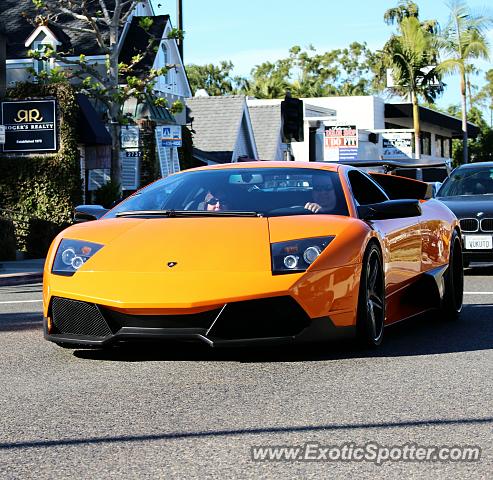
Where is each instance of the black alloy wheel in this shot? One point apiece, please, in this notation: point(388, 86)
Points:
point(454, 282)
point(371, 304)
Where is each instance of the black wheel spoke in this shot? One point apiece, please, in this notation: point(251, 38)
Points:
point(373, 275)
point(371, 315)
point(376, 300)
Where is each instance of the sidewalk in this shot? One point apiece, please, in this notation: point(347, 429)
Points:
point(20, 272)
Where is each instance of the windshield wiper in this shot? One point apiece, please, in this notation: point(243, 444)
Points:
point(187, 213)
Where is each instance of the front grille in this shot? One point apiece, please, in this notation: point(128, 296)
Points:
point(469, 224)
point(487, 225)
point(263, 318)
point(201, 320)
point(78, 318)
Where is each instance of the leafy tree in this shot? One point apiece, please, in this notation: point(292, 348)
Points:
point(215, 80)
point(485, 95)
point(116, 82)
point(463, 40)
point(409, 54)
point(307, 73)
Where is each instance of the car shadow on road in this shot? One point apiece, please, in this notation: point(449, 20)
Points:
point(423, 335)
point(20, 321)
point(479, 271)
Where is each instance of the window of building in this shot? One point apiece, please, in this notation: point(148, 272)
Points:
point(165, 59)
point(438, 146)
point(425, 143)
point(446, 147)
point(41, 65)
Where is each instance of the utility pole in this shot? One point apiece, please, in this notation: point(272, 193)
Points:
point(179, 15)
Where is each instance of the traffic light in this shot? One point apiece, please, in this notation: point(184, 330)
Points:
point(292, 119)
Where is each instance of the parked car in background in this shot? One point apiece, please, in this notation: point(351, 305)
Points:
point(468, 192)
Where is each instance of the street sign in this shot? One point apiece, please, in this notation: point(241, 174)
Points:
point(2, 134)
point(171, 136)
point(129, 136)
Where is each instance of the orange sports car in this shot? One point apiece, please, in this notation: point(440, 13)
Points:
point(255, 252)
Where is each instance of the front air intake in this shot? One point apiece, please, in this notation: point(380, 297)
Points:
point(78, 318)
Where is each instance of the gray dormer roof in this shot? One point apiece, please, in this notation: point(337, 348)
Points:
point(266, 122)
point(18, 29)
point(217, 122)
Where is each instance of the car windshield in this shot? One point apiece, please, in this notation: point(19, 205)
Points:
point(262, 191)
point(468, 181)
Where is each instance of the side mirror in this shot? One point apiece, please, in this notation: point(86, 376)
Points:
point(390, 209)
point(87, 213)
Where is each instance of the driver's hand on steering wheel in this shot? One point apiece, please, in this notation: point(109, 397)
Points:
point(313, 207)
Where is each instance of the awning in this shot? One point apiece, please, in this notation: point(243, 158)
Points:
point(147, 110)
point(434, 117)
point(91, 129)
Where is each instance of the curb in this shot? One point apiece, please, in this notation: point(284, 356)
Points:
point(20, 279)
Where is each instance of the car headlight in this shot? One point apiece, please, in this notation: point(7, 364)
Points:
point(297, 255)
point(72, 254)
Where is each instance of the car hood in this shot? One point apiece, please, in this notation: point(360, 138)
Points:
point(469, 205)
point(185, 262)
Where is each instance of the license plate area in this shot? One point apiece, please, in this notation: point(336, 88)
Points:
point(478, 242)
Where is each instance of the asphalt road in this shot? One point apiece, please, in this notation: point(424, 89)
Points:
point(161, 411)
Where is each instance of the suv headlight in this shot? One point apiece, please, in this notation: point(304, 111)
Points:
point(297, 255)
point(72, 254)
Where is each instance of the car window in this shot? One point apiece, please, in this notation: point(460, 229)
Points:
point(365, 190)
point(468, 181)
point(267, 191)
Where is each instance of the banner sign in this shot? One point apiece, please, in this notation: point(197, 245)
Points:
point(129, 136)
point(341, 142)
point(171, 136)
point(397, 145)
point(30, 126)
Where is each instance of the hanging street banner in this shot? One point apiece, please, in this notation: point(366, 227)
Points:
point(341, 143)
point(171, 136)
point(397, 145)
point(30, 126)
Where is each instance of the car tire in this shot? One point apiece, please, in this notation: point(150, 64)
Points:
point(370, 318)
point(453, 282)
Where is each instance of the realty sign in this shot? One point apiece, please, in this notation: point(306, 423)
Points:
point(171, 136)
point(30, 126)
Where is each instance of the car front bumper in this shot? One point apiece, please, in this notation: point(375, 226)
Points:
point(269, 320)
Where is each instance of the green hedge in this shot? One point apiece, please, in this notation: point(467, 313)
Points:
point(44, 186)
point(7, 239)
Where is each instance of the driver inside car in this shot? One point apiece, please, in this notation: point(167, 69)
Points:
point(323, 196)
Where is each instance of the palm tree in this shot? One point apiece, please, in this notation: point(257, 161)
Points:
point(409, 54)
point(406, 9)
point(463, 40)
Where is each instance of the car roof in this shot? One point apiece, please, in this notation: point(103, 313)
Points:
point(475, 165)
point(333, 167)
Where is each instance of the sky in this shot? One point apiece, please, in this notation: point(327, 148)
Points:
point(253, 31)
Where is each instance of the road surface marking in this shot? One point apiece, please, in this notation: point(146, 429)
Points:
point(20, 301)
